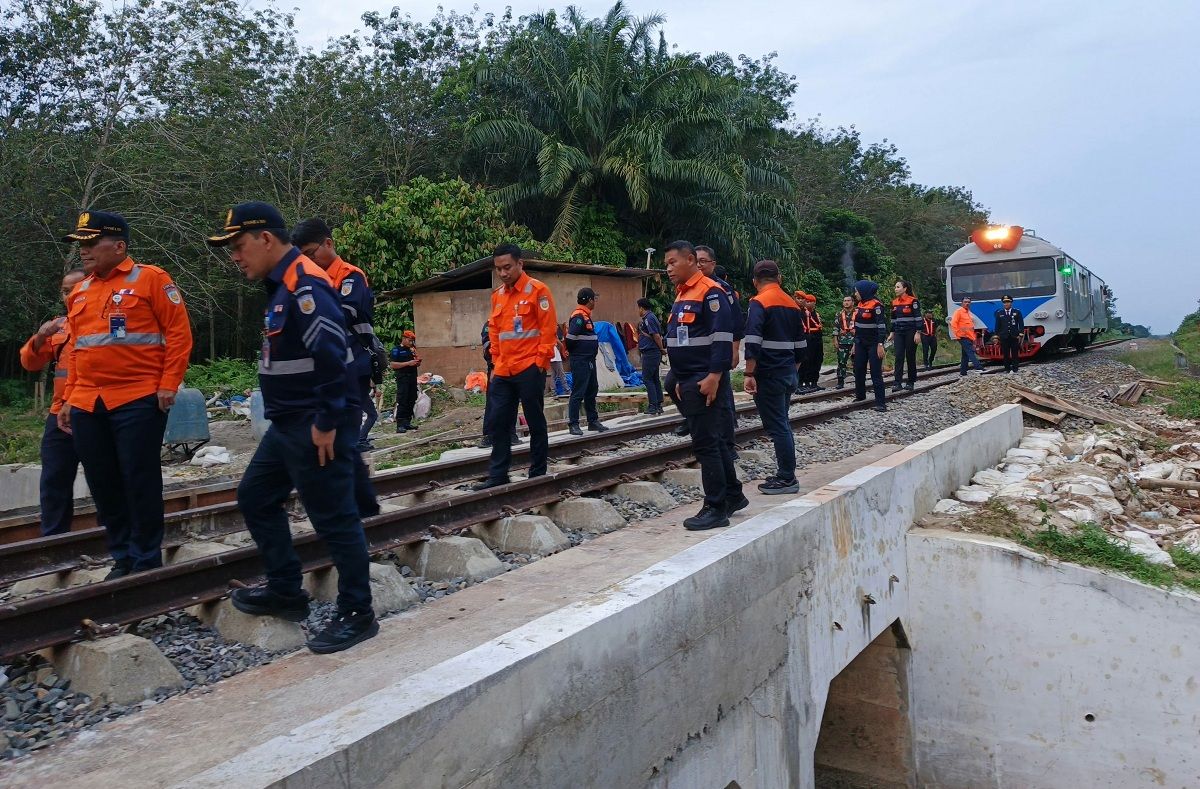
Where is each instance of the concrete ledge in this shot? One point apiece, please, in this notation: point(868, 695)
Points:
point(709, 667)
point(390, 591)
point(650, 493)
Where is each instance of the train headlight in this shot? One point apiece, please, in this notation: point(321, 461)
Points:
point(995, 237)
point(1059, 313)
point(1041, 315)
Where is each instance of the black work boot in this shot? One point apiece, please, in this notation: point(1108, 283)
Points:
point(597, 427)
point(489, 483)
point(119, 570)
point(261, 601)
point(683, 430)
point(776, 486)
point(346, 630)
point(706, 518)
point(735, 503)
point(574, 430)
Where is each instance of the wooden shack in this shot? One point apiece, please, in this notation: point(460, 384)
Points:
point(449, 309)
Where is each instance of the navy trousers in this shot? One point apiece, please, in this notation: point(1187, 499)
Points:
point(712, 440)
point(773, 398)
point(651, 360)
point(370, 412)
point(286, 459)
point(584, 388)
point(905, 349)
point(364, 491)
point(864, 356)
point(57, 489)
point(968, 354)
point(928, 351)
point(121, 455)
point(527, 389)
point(406, 397)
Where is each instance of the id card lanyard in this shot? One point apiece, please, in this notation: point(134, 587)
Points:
point(116, 318)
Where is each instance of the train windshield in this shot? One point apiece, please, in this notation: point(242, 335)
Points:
point(993, 279)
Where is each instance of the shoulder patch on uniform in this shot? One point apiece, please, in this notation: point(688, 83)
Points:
point(347, 286)
point(544, 304)
point(172, 293)
point(714, 302)
point(307, 303)
point(879, 310)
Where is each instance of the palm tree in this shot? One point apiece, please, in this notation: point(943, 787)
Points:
point(598, 110)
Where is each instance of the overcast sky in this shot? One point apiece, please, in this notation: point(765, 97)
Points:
point(1077, 118)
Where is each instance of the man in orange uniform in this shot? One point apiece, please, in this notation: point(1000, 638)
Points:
point(52, 343)
point(132, 342)
point(521, 336)
point(962, 329)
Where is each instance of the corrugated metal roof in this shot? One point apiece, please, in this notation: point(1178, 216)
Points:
point(453, 276)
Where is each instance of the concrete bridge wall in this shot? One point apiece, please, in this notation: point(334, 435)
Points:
point(709, 668)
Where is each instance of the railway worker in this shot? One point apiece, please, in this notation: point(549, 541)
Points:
point(962, 330)
point(700, 346)
point(404, 360)
point(772, 351)
point(706, 259)
point(582, 347)
point(843, 338)
point(906, 334)
point(310, 392)
point(650, 349)
point(314, 239)
point(132, 341)
point(870, 330)
point(52, 344)
point(521, 334)
point(1010, 325)
point(929, 325)
point(814, 334)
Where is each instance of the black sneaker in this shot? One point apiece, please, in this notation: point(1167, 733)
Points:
point(489, 483)
point(897, 388)
point(597, 428)
point(344, 631)
point(881, 408)
point(261, 601)
point(574, 430)
point(775, 486)
point(910, 387)
point(485, 442)
point(841, 385)
point(860, 399)
point(119, 570)
point(739, 502)
point(818, 388)
point(706, 518)
point(516, 439)
point(401, 429)
point(683, 430)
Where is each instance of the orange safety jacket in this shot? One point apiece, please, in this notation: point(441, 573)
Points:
point(56, 348)
point(521, 326)
point(962, 325)
point(845, 322)
point(132, 336)
point(929, 326)
point(812, 322)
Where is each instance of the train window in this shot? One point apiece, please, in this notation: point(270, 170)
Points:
point(991, 280)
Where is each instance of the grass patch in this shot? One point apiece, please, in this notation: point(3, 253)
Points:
point(21, 435)
point(1091, 546)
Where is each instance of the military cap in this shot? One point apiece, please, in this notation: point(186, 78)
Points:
point(249, 216)
point(96, 224)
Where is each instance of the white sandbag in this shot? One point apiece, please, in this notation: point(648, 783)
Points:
point(973, 494)
point(422, 406)
point(1078, 513)
point(950, 507)
point(1144, 545)
point(1161, 470)
point(1018, 455)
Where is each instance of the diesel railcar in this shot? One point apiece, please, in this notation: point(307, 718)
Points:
point(1064, 304)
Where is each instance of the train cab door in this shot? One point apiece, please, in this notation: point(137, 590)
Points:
point(1063, 266)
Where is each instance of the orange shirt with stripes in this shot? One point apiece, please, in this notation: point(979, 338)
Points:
point(56, 348)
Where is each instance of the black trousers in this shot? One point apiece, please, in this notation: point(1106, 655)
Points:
point(815, 358)
point(651, 361)
point(865, 355)
point(406, 397)
point(584, 388)
point(286, 459)
point(905, 348)
point(364, 490)
point(121, 454)
point(712, 441)
point(57, 489)
point(528, 389)
point(1010, 347)
point(928, 351)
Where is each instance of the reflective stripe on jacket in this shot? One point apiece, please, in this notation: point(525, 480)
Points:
point(700, 331)
point(304, 367)
point(870, 327)
point(521, 326)
point(774, 334)
point(581, 340)
point(132, 336)
point(906, 314)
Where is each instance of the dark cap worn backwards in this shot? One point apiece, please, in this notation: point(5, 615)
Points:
point(96, 224)
point(586, 295)
point(766, 268)
point(249, 216)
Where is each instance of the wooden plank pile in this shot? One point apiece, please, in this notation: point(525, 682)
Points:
point(1054, 409)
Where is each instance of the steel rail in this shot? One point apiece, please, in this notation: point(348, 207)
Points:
point(59, 617)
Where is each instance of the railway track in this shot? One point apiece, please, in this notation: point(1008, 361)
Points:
point(58, 617)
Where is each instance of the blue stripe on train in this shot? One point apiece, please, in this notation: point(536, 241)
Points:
point(985, 311)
